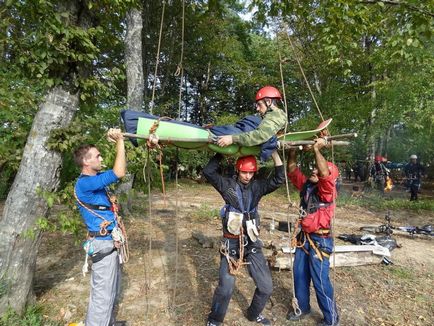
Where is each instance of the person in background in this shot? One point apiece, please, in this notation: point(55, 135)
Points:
point(414, 171)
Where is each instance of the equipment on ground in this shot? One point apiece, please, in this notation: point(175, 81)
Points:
point(388, 228)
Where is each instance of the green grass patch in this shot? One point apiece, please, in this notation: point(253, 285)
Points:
point(205, 212)
point(33, 316)
point(401, 272)
point(384, 203)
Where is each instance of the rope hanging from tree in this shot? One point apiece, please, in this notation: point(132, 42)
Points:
point(294, 301)
point(157, 59)
point(293, 239)
point(180, 68)
point(181, 73)
point(332, 222)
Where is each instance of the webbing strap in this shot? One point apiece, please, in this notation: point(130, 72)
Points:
point(243, 209)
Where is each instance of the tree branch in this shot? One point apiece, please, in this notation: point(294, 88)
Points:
point(399, 3)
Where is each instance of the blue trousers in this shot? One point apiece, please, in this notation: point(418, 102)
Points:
point(308, 267)
point(259, 272)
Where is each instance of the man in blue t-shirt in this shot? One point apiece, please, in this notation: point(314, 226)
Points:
point(96, 209)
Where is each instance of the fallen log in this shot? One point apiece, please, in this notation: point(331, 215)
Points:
point(351, 255)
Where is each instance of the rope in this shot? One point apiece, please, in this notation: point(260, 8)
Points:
point(180, 69)
point(234, 264)
point(148, 259)
point(124, 250)
point(332, 222)
point(103, 225)
point(176, 233)
point(157, 59)
point(304, 76)
point(177, 73)
point(121, 236)
point(294, 301)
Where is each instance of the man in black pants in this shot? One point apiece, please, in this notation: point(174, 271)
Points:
point(240, 219)
point(414, 171)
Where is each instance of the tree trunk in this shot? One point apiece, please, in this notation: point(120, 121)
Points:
point(135, 85)
point(134, 60)
point(39, 170)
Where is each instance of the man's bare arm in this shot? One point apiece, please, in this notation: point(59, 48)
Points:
point(120, 166)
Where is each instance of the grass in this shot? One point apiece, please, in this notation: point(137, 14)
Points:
point(401, 272)
point(378, 202)
point(205, 212)
point(32, 317)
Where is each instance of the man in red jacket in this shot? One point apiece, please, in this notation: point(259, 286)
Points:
point(314, 242)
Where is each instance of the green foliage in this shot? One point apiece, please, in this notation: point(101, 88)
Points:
point(33, 316)
point(369, 65)
point(369, 62)
point(380, 203)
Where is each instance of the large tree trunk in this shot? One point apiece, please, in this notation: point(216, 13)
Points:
point(39, 170)
point(135, 84)
point(133, 59)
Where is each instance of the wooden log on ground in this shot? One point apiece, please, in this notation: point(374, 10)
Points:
point(351, 255)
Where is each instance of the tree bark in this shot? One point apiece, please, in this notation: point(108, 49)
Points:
point(135, 85)
point(134, 60)
point(39, 170)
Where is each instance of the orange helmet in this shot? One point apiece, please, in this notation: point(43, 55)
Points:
point(247, 164)
point(269, 92)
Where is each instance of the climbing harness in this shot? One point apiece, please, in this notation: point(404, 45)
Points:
point(332, 221)
point(234, 225)
point(230, 255)
point(302, 213)
point(118, 233)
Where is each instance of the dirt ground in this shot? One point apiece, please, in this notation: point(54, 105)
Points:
point(161, 287)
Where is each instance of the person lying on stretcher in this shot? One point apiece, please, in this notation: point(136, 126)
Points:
point(273, 120)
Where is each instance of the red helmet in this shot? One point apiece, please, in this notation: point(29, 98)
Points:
point(268, 91)
point(378, 158)
point(247, 164)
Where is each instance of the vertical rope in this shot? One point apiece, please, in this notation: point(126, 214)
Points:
point(332, 222)
point(294, 302)
point(176, 233)
point(157, 59)
point(180, 68)
point(179, 71)
point(148, 259)
point(304, 76)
